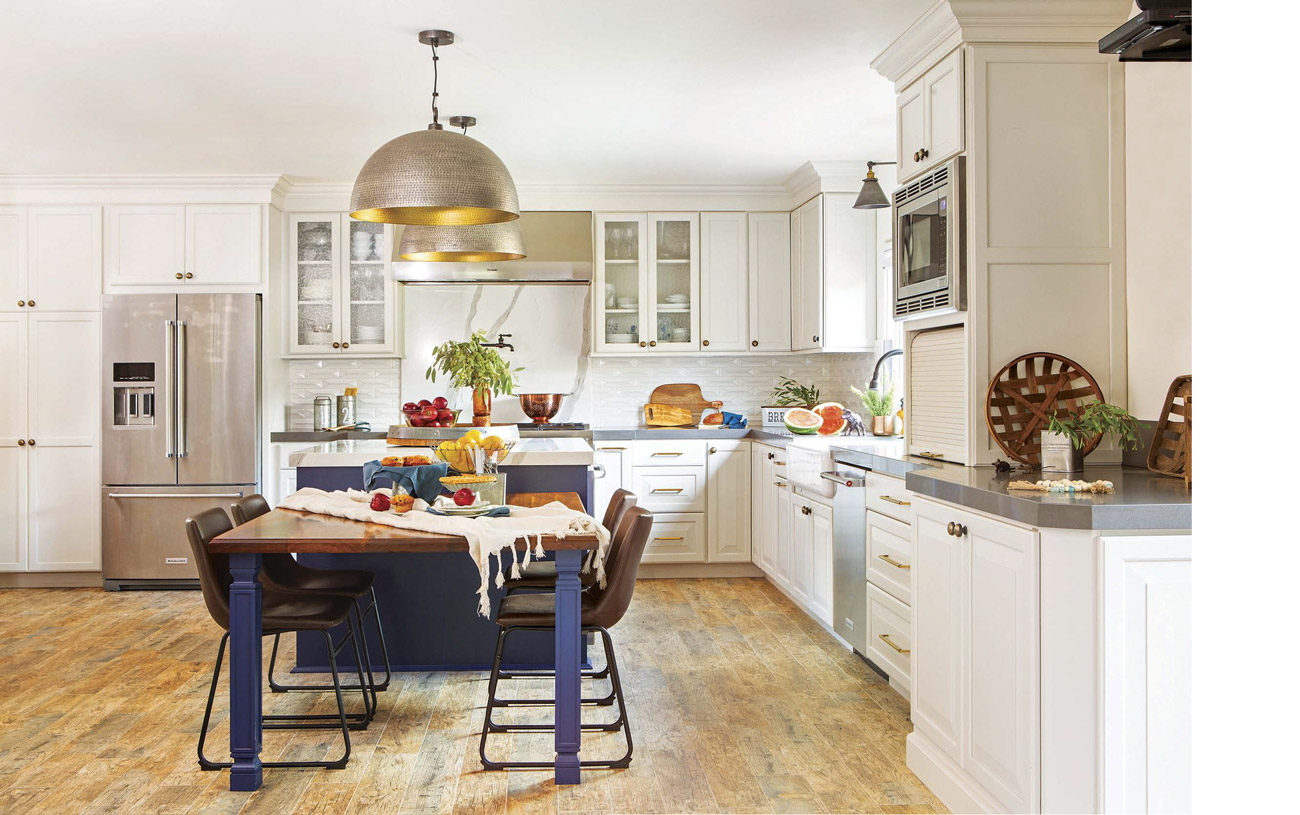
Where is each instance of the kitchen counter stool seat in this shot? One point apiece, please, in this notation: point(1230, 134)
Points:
point(281, 613)
point(601, 610)
point(283, 573)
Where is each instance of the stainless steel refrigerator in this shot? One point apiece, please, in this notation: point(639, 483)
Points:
point(181, 425)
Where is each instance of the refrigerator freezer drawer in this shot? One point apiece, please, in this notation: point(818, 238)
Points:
point(144, 529)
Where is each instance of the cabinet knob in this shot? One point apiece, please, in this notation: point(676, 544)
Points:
point(31, 304)
point(345, 345)
point(754, 343)
point(706, 343)
point(771, 455)
point(806, 510)
point(336, 345)
point(817, 339)
point(653, 343)
point(180, 276)
point(916, 156)
point(712, 450)
point(925, 153)
point(955, 529)
point(189, 275)
point(643, 343)
point(22, 442)
point(31, 442)
point(22, 303)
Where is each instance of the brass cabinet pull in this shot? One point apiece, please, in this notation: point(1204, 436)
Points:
point(345, 345)
point(706, 343)
point(670, 538)
point(754, 343)
point(336, 345)
point(955, 529)
point(31, 442)
point(916, 156)
point(806, 510)
point(643, 343)
point(31, 304)
point(771, 455)
point(652, 455)
point(816, 338)
point(935, 456)
point(893, 562)
point(894, 645)
point(22, 303)
point(712, 450)
point(894, 500)
point(611, 448)
point(779, 483)
point(653, 343)
point(779, 463)
point(180, 276)
point(673, 490)
point(189, 275)
point(22, 442)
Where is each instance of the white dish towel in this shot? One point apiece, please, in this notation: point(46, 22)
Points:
point(805, 461)
point(488, 537)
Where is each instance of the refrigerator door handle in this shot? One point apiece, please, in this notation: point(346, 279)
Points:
point(175, 495)
point(182, 405)
point(169, 395)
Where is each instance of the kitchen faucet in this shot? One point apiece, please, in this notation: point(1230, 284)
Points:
point(875, 373)
point(501, 343)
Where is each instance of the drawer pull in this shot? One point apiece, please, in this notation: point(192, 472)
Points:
point(779, 483)
point(611, 448)
point(894, 500)
point(673, 490)
point(652, 455)
point(893, 562)
point(779, 463)
point(894, 645)
point(670, 538)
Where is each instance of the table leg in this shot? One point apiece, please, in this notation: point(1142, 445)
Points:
point(245, 672)
point(568, 651)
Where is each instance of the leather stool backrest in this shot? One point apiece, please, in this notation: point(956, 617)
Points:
point(248, 508)
point(621, 501)
point(625, 551)
point(278, 568)
point(214, 569)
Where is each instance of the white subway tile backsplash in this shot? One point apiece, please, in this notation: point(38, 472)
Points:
point(378, 383)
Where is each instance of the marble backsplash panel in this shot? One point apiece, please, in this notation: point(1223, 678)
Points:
point(378, 383)
point(621, 386)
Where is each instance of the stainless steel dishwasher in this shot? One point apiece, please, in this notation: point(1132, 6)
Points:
point(850, 555)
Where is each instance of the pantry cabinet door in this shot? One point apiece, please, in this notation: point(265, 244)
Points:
point(938, 594)
point(769, 281)
point(724, 286)
point(13, 259)
point(60, 540)
point(13, 396)
point(728, 467)
point(64, 258)
point(223, 244)
point(1001, 650)
point(808, 285)
point(63, 376)
point(13, 507)
point(146, 246)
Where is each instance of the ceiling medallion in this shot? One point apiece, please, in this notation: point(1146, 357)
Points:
point(435, 176)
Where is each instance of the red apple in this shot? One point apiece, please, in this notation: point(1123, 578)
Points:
point(440, 403)
point(380, 502)
point(410, 406)
point(445, 415)
point(425, 403)
point(463, 497)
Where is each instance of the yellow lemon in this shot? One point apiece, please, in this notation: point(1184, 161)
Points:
point(472, 436)
point(493, 443)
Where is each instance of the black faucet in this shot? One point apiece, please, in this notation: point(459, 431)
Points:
point(501, 343)
point(875, 373)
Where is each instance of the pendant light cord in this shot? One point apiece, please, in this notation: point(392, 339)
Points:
point(437, 126)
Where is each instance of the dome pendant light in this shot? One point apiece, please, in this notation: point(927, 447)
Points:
point(435, 176)
point(477, 243)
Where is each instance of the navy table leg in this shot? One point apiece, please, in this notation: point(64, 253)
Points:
point(568, 640)
point(245, 672)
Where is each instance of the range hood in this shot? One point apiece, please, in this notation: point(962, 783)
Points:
point(1161, 33)
point(559, 249)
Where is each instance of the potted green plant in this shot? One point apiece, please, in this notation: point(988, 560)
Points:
point(789, 393)
point(471, 365)
point(1064, 439)
point(879, 403)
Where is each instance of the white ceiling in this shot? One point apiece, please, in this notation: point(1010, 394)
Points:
point(566, 91)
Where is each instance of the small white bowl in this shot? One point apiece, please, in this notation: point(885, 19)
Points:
point(626, 302)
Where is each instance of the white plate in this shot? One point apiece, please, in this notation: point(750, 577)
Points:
point(470, 511)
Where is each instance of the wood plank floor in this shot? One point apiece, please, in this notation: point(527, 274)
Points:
point(739, 703)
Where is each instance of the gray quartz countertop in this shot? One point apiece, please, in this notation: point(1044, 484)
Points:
point(651, 433)
point(322, 436)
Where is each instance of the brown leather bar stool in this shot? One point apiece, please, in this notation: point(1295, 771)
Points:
point(282, 572)
point(281, 613)
point(601, 610)
point(540, 574)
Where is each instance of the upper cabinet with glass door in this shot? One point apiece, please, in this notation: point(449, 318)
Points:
point(621, 283)
point(341, 290)
point(674, 281)
point(647, 282)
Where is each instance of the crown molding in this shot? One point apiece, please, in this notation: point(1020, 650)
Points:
point(936, 26)
point(820, 176)
point(142, 189)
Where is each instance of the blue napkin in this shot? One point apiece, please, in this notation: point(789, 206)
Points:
point(734, 420)
point(495, 512)
point(422, 482)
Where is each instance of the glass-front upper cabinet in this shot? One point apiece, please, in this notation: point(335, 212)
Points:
point(341, 297)
point(647, 282)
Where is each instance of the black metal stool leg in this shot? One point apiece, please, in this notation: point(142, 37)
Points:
point(278, 687)
point(383, 644)
point(492, 692)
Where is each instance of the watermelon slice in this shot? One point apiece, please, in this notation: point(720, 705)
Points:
point(802, 421)
point(833, 419)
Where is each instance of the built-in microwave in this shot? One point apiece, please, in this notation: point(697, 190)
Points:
point(929, 260)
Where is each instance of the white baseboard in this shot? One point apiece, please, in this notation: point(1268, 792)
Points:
point(944, 778)
point(661, 570)
point(51, 580)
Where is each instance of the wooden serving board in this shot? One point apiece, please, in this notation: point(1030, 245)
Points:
point(685, 396)
point(657, 415)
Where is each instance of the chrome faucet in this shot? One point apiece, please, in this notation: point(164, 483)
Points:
point(501, 343)
point(875, 373)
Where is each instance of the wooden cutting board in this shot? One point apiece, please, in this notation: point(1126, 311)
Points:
point(667, 416)
point(685, 396)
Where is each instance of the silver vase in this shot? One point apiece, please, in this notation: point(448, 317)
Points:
point(1059, 455)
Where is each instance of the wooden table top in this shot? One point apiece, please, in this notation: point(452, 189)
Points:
point(285, 530)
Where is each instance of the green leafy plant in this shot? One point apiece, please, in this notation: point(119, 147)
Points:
point(470, 365)
point(878, 402)
point(1097, 419)
point(789, 393)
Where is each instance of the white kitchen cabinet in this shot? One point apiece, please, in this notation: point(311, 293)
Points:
point(648, 268)
point(673, 293)
point(620, 289)
point(50, 258)
point(286, 485)
point(724, 281)
point(889, 637)
point(342, 296)
point(811, 575)
point(938, 600)
point(833, 301)
point(59, 540)
point(192, 246)
point(670, 489)
point(13, 506)
point(930, 117)
point(765, 485)
point(769, 282)
point(889, 556)
point(676, 537)
point(615, 472)
point(729, 508)
point(785, 503)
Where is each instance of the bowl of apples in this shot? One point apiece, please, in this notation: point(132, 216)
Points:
point(426, 413)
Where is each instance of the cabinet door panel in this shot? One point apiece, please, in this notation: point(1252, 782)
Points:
point(13, 507)
point(146, 246)
point(889, 555)
point(64, 507)
point(848, 280)
point(911, 130)
point(13, 396)
point(784, 532)
point(314, 313)
point(621, 288)
point(944, 109)
point(1002, 654)
point(808, 329)
point(937, 613)
point(223, 244)
point(822, 562)
point(65, 258)
point(676, 538)
point(63, 360)
point(728, 502)
point(769, 281)
point(673, 322)
point(724, 281)
point(13, 258)
point(609, 481)
point(367, 290)
point(801, 554)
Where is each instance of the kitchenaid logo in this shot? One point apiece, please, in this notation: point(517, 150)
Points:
point(177, 561)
